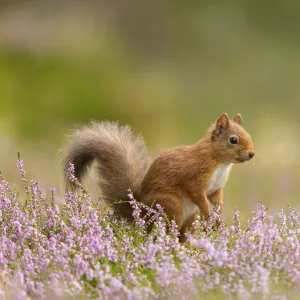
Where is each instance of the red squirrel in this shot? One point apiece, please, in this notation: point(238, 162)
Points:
point(183, 179)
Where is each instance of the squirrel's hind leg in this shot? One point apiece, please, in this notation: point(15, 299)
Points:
point(186, 226)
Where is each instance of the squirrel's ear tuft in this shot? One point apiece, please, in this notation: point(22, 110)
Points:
point(222, 124)
point(238, 119)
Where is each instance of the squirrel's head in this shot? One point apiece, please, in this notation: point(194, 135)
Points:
point(233, 142)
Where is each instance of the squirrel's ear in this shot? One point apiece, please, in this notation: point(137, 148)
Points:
point(238, 119)
point(222, 124)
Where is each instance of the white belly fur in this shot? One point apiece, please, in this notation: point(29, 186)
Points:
point(216, 182)
point(189, 207)
point(218, 178)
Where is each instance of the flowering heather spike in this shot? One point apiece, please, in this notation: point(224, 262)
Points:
point(137, 212)
point(52, 190)
point(283, 225)
point(22, 172)
point(236, 221)
point(71, 176)
point(159, 208)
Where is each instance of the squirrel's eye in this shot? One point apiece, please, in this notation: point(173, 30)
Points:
point(233, 140)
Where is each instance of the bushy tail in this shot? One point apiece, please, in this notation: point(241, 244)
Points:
point(121, 156)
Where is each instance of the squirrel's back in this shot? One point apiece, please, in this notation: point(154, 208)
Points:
point(121, 156)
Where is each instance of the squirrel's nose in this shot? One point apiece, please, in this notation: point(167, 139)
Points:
point(251, 154)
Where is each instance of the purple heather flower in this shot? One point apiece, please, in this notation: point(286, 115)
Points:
point(159, 208)
point(75, 222)
point(5, 201)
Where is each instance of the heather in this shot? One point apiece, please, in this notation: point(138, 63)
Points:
point(78, 251)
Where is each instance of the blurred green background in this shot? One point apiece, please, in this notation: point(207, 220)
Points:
point(168, 68)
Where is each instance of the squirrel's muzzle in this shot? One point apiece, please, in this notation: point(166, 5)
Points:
point(251, 154)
